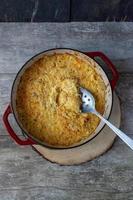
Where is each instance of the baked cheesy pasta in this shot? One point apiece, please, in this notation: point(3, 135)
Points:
point(48, 100)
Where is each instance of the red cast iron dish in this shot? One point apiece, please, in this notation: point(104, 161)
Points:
point(89, 56)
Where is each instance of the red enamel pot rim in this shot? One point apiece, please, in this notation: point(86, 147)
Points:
point(30, 140)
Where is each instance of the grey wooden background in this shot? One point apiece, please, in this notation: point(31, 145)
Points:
point(26, 175)
point(65, 10)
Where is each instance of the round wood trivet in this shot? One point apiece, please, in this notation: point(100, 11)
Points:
point(97, 146)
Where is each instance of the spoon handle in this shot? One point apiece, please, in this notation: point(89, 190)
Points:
point(118, 132)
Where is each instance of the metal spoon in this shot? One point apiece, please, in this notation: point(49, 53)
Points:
point(88, 105)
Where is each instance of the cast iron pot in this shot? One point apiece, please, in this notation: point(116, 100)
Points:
point(89, 56)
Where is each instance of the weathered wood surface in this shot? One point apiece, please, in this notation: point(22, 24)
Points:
point(65, 10)
point(87, 10)
point(24, 174)
point(20, 42)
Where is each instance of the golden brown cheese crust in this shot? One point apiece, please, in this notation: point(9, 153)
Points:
point(48, 100)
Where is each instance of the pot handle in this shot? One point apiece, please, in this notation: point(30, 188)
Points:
point(11, 132)
point(108, 63)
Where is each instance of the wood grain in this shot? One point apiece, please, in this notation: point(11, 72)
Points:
point(35, 11)
point(21, 41)
point(24, 174)
point(87, 10)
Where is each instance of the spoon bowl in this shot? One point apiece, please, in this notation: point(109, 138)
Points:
point(88, 101)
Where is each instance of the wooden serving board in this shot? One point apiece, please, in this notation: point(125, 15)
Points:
point(96, 147)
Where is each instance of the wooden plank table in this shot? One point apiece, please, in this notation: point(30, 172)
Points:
point(26, 175)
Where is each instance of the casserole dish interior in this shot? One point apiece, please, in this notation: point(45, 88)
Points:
point(99, 70)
